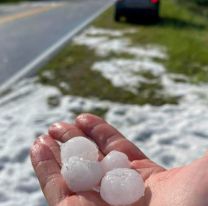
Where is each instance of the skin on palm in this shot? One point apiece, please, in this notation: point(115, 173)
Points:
point(185, 186)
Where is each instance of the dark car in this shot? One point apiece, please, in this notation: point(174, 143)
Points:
point(143, 9)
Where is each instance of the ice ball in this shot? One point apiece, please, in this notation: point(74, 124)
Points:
point(80, 147)
point(81, 175)
point(122, 186)
point(115, 159)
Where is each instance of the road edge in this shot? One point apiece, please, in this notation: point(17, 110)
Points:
point(51, 51)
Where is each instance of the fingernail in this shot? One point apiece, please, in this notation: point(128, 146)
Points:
point(55, 129)
point(82, 118)
point(37, 153)
point(40, 139)
point(40, 152)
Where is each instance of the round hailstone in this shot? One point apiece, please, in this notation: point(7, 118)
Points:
point(122, 187)
point(80, 147)
point(81, 175)
point(115, 160)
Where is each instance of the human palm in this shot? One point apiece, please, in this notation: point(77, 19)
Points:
point(184, 186)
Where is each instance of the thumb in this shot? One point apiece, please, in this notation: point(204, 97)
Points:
point(146, 168)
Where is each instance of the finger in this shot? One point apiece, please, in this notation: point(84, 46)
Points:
point(63, 132)
point(84, 199)
point(146, 168)
point(53, 146)
point(48, 173)
point(107, 137)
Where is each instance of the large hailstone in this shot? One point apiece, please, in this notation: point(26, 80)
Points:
point(80, 147)
point(122, 187)
point(81, 175)
point(114, 160)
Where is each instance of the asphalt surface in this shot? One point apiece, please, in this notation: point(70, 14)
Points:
point(29, 30)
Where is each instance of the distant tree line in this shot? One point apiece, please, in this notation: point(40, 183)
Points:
point(9, 1)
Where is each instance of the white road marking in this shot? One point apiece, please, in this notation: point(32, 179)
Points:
point(24, 14)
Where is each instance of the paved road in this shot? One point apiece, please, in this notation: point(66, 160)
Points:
point(28, 31)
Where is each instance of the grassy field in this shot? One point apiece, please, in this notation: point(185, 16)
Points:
point(199, 8)
point(182, 32)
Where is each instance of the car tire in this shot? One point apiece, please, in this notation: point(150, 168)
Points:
point(117, 16)
point(156, 17)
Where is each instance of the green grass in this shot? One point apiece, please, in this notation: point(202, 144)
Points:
point(182, 32)
point(198, 8)
point(72, 66)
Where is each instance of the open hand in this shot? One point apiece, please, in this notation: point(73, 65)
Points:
point(184, 186)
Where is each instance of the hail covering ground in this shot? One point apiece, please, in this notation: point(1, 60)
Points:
point(171, 135)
